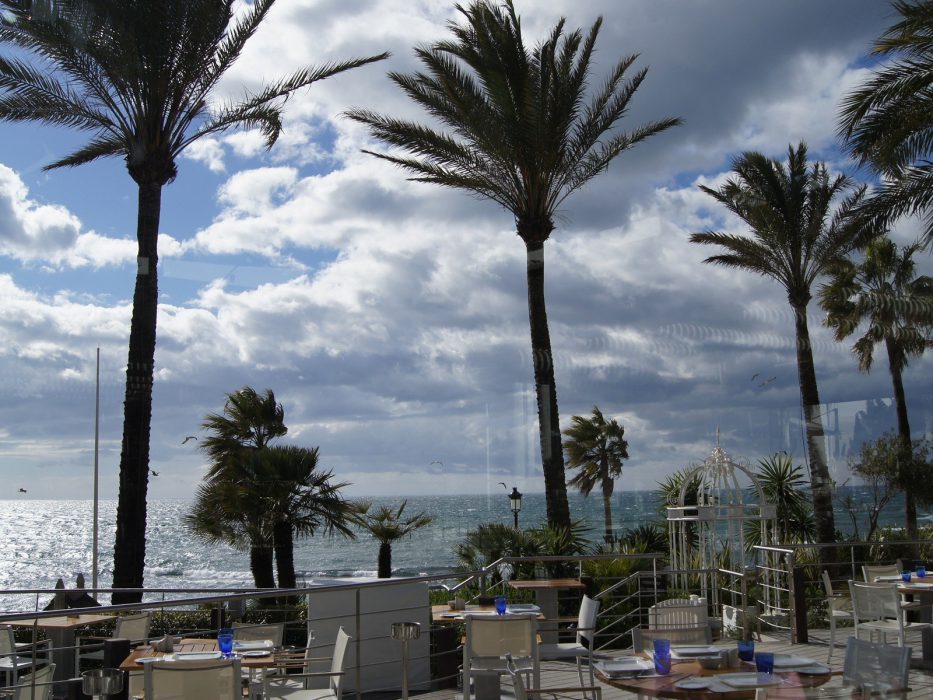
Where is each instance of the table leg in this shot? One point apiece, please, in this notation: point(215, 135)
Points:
point(486, 686)
point(63, 656)
point(547, 601)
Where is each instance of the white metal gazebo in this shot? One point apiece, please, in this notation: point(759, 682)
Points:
point(711, 534)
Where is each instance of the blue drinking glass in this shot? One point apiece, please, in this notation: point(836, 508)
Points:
point(921, 571)
point(746, 649)
point(501, 604)
point(905, 577)
point(662, 656)
point(764, 662)
point(225, 642)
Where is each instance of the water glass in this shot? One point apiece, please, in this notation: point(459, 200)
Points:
point(905, 577)
point(746, 649)
point(225, 641)
point(501, 604)
point(921, 571)
point(662, 656)
point(764, 662)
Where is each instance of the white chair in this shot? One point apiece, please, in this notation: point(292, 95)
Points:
point(36, 685)
point(838, 607)
point(872, 572)
point(877, 607)
point(10, 661)
point(244, 632)
point(582, 647)
point(876, 666)
point(284, 686)
point(490, 638)
point(678, 613)
point(176, 680)
point(133, 627)
point(522, 693)
point(643, 640)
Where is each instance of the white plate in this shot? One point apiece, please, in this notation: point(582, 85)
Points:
point(789, 660)
point(626, 665)
point(694, 683)
point(814, 669)
point(148, 659)
point(253, 645)
point(255, 654)
point(694, 650)
point(197, 655)
point(749, 680)
point(523, 608)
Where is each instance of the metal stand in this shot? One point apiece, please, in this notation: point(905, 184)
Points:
point(405, 632)
point(102, 681)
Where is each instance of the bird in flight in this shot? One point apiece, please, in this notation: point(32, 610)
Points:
point(153, 472)
point(22, 490)
point(189, 437)
point(502, 484)
point(767, 381)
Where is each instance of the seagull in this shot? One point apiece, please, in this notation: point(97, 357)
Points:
point(502, 484)
point(189, 437)
point(153, 472)
point(754, 376)
point(436, 461)
point(22, 490)
point(767, 381)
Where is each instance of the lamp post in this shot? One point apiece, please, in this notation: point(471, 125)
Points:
point(515, 503)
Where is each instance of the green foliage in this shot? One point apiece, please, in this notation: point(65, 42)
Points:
point(387, 526)
point(783, 485)
point(644, 539)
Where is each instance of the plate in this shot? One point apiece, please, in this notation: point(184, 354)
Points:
point(254, 644)
point(197, 655)
point(814, 669)
point(147, 659)
point(750, 680)
point(523, 608)
point(255, 654)
point(694, 650)
point(627, 665)
point(789, 660)
point(694, 683)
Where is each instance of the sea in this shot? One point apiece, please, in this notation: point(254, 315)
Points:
point(45, 540)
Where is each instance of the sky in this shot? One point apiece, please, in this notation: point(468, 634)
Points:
point(390, 317)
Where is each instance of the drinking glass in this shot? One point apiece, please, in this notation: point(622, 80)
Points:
point(905, 577)
point(921, 571)
point(225, 642)
point(500, 604)
point(764, 662)
point(746, 649)
point(662, 656)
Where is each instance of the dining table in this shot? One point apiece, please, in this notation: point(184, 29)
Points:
point(60, 630)
point(546, 591)
point(260, 654)
point(688, 680)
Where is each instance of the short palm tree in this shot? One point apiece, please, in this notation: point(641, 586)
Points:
point(596, 448)
point(387, 526)
point(782, 483)
point(520, 128)
point(794, 238)
point(886, 122)
point(248, 421)
point(882, 295)
point(138, 77)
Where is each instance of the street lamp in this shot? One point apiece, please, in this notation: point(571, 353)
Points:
point(515, 503)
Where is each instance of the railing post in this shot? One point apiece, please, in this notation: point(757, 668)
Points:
point(798, 601)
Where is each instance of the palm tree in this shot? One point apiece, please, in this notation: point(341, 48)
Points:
point(387, 526)
point(520, 131)
point(596, 448)
point(782, 482)
point(248, 421)
point(795, 237)
point(138, 76)
point(886, 122)
point(881, 294)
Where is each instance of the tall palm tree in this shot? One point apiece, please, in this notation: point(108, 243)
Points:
point(248, 420)
point(886, 122)
point(387, 526)
point(794, 237)
point(520, 129)
point(596, 448)
point(881, 294)
point(138, 77)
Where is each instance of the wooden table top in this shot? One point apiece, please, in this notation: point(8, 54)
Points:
point(130, 663)
point(663, 686)
point(64, 622)
point(443, 615)
point(546, 583)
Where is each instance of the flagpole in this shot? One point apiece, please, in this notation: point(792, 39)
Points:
point(96, 450)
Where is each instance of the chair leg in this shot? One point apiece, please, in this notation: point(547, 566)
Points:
point(832, 636)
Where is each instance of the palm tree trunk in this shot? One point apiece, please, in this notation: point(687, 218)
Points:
point(260, 565)
point(607, 517)
point(552, 455)
point(129, 551)
point(820, 483)
point(283, 541)
point(903, 431)
point(385, 560)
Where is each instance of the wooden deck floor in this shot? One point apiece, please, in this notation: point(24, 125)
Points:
point(556, 674)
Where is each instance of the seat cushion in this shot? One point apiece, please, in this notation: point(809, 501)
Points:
point(562, 650)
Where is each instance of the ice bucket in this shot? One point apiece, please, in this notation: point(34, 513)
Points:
point(102, 681)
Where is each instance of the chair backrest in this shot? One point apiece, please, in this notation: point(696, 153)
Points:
point(875, 601)
point(677, 613)
point(7, 642)
point(336, 663)
point(244, 632)
point(871, 572)
point(133, 627)
point(586, 621)
point(36, 685)
point(213, 680)
point(644, 639)
point(496, 636)
point(827, 584)
point(520, 693)
point(880, 666)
